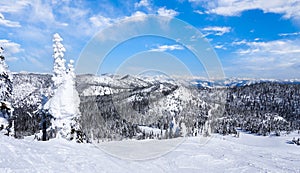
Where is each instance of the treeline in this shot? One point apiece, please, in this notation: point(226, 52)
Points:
point(262, 108)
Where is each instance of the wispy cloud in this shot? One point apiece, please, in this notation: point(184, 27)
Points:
point(289, 9)
point(8, 6)
point(101, 21)
point(10, 47)
point(242, 42)
point(161, 11)
point(266, 59)
point(216, 30)
point(289, 34)
point(200, 12)
point(163, 48)
point(220, 47)
point(271, 47)
point(8, 23)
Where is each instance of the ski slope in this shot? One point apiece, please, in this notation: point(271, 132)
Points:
point(249, 153)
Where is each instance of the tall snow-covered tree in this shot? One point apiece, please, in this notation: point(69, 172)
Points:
point(5, 96)
point(59, 68)
point(64, 104)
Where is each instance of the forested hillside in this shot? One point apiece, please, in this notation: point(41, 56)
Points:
point(114, 108)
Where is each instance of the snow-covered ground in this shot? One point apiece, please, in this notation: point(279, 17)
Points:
point(249, 153)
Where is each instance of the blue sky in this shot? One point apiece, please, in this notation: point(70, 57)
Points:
point(253, 38)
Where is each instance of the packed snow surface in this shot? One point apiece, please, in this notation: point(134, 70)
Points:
point(249, 153)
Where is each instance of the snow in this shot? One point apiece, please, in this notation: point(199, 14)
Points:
point(249, 153)
point(148, 130)
point(142, 150)
point(279, 118)
point(65, 102)
point(3, 121)
point(96, 90)
point(2, 69)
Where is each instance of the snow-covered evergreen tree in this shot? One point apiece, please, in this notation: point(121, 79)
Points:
point(64, 104)
point(6, 121)
point(5, 80)
point(59, 68)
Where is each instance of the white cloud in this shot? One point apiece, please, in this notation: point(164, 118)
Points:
point(199, 12)
point(220, 47)
point(8, 23)
point(167, 12)
point(43, 12)
point(137, 16)
point(38, 12)
point(10, 47)
point(33, 11)
point(289, 8)
point(289, 34)
point(73, 13)
point(216, 30)
point(277, 47)
point(242, 42)
point(9, 6)
point(278, 58)
point(256, 39)
point(143, 3)
point(163, 48)
point(101, 21)
point(195, 1)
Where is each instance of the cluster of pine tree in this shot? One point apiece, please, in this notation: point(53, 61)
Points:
point(261, 108)
point(27, 118)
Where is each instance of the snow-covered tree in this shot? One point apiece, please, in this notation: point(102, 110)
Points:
point(65, 101)
point(5, 80)
point(64, 104)
point(59, 68)
point(6, 121)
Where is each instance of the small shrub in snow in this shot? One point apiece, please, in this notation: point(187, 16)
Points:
point(296, 141)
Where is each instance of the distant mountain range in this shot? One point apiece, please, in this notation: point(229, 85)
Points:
point(116, 107)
